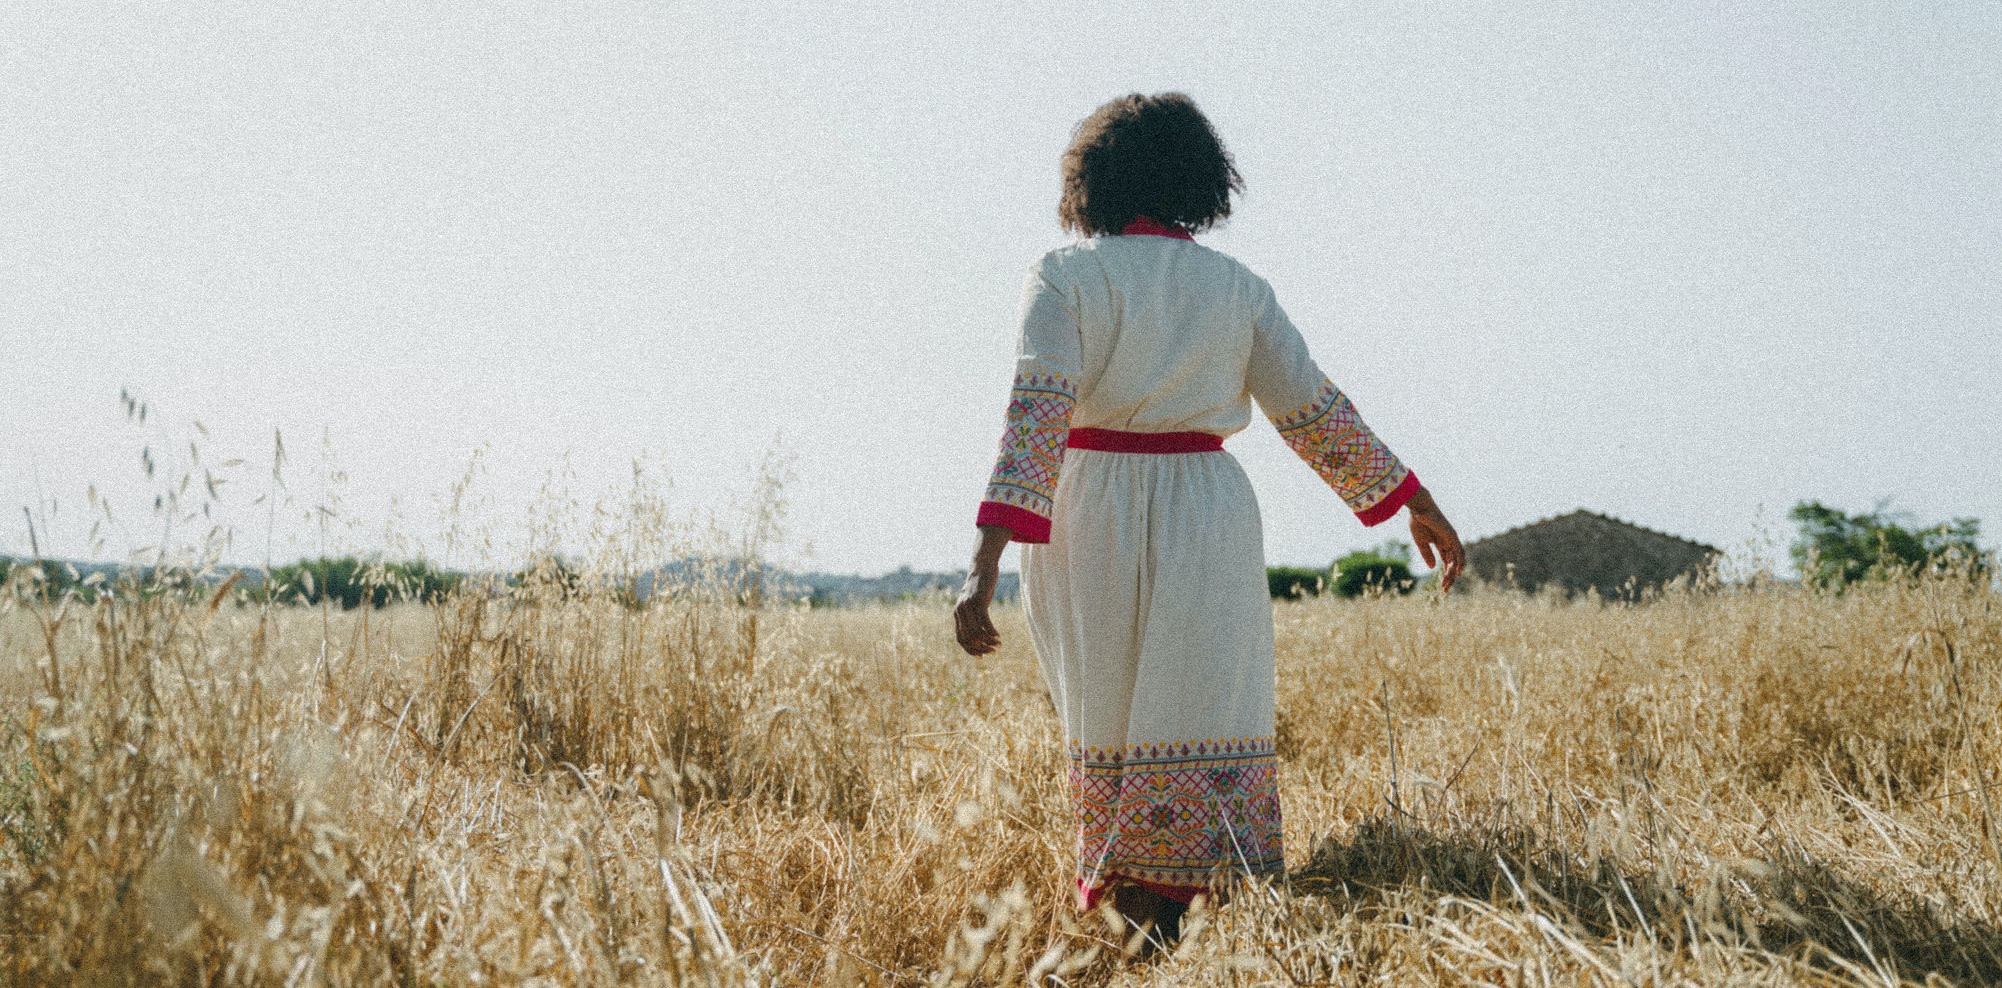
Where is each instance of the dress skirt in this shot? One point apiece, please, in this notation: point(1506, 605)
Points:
point(1151, 618)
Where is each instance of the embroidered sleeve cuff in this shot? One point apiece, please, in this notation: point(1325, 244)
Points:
point(1027, 525)
point(1382, 511)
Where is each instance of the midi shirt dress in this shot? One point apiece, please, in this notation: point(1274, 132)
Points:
point(1144, 566)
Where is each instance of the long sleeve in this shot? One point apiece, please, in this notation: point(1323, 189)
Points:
point(1021, 493)
point(1320, 424)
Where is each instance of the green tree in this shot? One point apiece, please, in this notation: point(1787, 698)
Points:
point(1294, 582)
point(46, 580)
point(419, 580)
point(348, 581)
point(549, 574)
point(1835, 549)
point(1387, 566)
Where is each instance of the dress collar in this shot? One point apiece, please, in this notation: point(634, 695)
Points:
point(1143, 226)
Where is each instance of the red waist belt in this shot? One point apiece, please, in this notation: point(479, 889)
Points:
point(1114, 441)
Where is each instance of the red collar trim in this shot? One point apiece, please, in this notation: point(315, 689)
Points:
point(1143, 226)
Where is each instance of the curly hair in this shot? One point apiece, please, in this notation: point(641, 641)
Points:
point(1154, 156)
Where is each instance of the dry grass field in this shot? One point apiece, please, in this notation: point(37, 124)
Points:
point(1747, 785)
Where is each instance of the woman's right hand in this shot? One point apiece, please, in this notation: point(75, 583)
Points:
point(970, 620)
point(971, 623)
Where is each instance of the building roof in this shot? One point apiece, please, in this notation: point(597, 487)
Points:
point(1602, 517)
point(1585, 550)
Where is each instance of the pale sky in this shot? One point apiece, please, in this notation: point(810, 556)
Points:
point(1685, 264)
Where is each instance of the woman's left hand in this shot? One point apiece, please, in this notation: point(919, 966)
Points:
point(1437, 543)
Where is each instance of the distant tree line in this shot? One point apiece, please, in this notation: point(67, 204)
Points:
point(55, 579)
point(349, 582)
point(1384, 569)
point(1832, 550)
point(345, 581)
point(1835, 549)
point(902, 584)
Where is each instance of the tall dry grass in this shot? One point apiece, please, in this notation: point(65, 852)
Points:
point(553, 784)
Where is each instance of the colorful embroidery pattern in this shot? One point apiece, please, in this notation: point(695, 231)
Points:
point(1332, 438)
point(1032, 445)
point(1176, 814)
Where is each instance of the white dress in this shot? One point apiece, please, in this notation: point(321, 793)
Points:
point(1144, 576)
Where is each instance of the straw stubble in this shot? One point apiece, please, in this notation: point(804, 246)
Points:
point(563, 781)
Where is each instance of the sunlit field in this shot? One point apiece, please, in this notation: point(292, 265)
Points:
point(556, 784)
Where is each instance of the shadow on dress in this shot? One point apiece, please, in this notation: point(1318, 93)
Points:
point(1789, 904)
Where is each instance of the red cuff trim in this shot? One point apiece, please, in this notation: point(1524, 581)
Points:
point(1027, 525)
point(1114, 441)
point(1383, 510)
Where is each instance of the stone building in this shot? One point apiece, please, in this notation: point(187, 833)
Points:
point(1583, 550)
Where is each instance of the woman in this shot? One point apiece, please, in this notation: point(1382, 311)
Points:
point(1143, 568)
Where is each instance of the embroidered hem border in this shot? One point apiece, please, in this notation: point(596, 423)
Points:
point(1176, 815)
